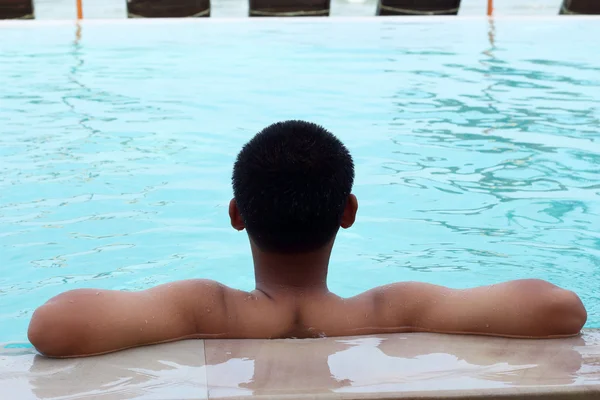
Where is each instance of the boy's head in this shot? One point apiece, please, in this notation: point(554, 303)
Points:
point(292, 185)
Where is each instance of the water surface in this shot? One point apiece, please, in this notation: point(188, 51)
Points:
point(477, 150)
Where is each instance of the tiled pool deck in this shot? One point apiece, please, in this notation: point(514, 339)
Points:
point(400, 366)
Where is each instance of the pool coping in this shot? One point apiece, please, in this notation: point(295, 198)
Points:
point(470, 368)
point(294, 20)
point(531, 392)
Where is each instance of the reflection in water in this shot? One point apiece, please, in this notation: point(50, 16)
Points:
point(77, 33)
point(492, 58)
point(77, 52)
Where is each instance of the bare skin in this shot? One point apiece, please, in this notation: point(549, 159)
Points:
point(292, 300)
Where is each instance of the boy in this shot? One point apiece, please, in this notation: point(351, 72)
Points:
point(292, 192)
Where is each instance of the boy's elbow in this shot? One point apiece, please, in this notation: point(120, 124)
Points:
point(566, 313)
point(556, 311)
point(49, 334)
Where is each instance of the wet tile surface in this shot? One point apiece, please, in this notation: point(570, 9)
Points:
point(404, 366)
point(170, 371)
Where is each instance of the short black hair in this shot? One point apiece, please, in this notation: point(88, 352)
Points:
point(291, 183)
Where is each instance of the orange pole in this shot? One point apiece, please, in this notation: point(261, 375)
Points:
point(79, 9)
point(490, 9)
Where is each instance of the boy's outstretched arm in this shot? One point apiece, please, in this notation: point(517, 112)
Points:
point(89, 321)
point(525, 308)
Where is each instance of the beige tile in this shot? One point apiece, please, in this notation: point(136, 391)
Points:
point(169, 371)
point(404, 366)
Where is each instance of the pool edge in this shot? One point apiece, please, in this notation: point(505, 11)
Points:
point(292, 20)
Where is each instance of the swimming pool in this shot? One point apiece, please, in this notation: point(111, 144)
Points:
point(477, 149)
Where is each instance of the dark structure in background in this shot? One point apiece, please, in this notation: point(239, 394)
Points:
point(16, 9)
point(289, 8)
point(418, 7)
point(167, 8)
point(580, 7)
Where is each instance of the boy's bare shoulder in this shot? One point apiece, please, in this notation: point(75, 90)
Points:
point(232, 313)
point(397, 304)
point(206, 291)
point(520, 308)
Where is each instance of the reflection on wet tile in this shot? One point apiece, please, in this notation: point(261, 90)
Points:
point(273, 367)
point(406, 365)
point(170, 371)
point(398, 366)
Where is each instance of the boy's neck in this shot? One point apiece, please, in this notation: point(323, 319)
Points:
point(279, 275)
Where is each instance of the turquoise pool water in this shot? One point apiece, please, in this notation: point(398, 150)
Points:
point(477, 149)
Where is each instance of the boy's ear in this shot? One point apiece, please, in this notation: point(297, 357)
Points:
point(234, 215)
point(350, 211)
